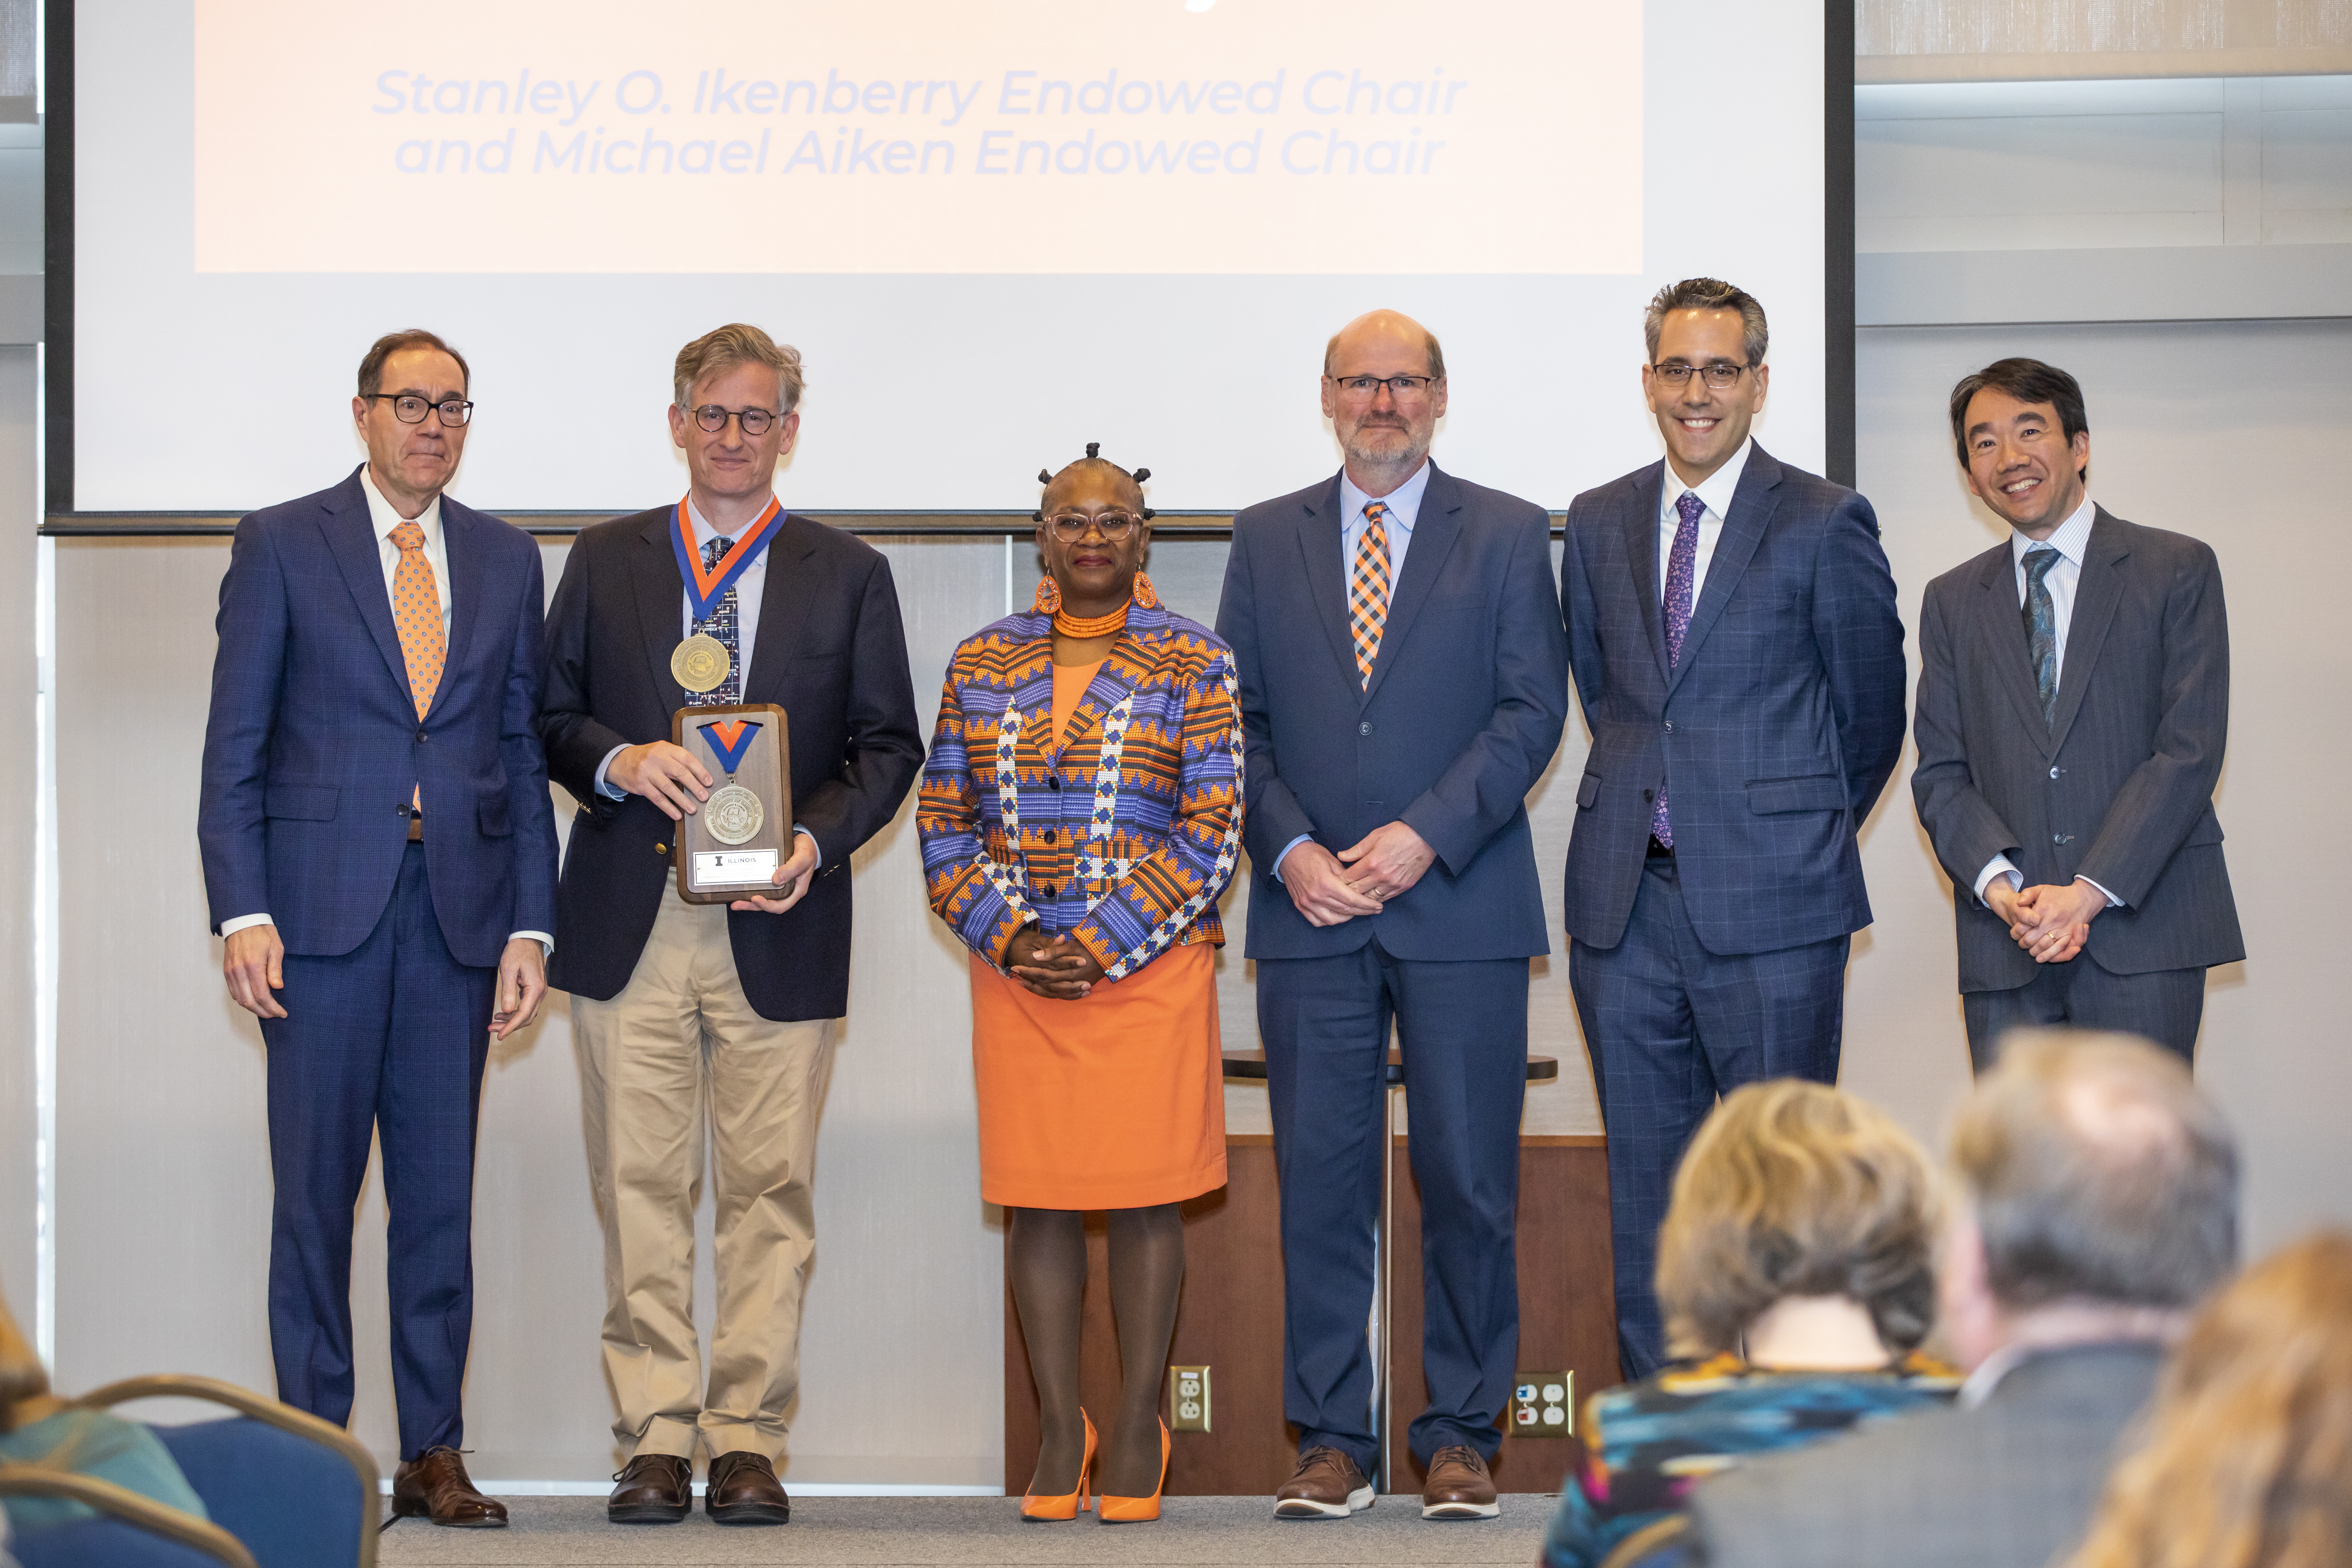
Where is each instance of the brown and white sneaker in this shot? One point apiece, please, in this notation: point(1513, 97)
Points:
point(1459, 1486)
point(1326, 1485)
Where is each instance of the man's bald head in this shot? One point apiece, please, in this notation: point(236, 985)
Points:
point(1383, 329)
point(2096, 1171)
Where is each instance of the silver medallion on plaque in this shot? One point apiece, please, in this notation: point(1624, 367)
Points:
point(733, 814)
point(700, 663)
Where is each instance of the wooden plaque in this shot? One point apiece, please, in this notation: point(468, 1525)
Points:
point(733, 846)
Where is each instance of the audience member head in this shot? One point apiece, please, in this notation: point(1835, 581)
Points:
point(1793, 1192)
point(412, 411)
point(1384, 392)
point(2248, 1462)
point(2099, 1196)
point(25, 1394)
point(1705, 377)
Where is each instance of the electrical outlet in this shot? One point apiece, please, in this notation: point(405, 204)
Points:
point(1188, 1399)
point(1543, 1405)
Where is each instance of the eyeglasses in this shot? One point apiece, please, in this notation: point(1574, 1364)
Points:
point(409, 408)
point(1718, 376)
point(1403, 388)
point(1069, 526)
point(755, 421)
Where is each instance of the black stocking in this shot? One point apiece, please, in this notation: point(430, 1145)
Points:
point(1146, 1271)
point(1047, 1260)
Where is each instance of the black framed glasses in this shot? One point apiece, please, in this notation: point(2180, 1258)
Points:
point(1069, 526)
point(1719, 375)
point(409, 408)
point(755, 421)
point(1400, 387)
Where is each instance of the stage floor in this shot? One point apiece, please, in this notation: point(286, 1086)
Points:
point(977, 1533)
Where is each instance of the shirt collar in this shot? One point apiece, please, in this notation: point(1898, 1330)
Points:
point(2073, 537)
point(704, 530)
point(1404, 502)
point(385, 517)
point(1715, 491)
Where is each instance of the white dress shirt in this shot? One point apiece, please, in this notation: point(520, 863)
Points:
point(1403, 504)
point(1715, 492)
point(2073, 537)
point(385, 516)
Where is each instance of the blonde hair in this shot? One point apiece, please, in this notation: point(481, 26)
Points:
point(1793, 1189)
point(724, 348)
point(2248, 1463)
point(22, 1377)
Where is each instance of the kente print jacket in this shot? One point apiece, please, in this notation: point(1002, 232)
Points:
point(1120, 832)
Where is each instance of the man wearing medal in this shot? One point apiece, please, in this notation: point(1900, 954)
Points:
point(687, 1015)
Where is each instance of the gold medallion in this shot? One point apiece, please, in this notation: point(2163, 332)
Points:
point(733, 814)
point(700, 663)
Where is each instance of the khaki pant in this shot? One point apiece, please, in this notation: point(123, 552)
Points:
point(677, 1049)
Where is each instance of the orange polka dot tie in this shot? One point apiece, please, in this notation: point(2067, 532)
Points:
point(416, 613)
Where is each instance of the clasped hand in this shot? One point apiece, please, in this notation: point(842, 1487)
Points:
point(2050, 920)
point(1056, 967)
point(1329, 889)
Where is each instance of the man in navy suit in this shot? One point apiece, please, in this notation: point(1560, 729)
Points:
point(1403, 686)
point(1731, 622)
point(379, 854)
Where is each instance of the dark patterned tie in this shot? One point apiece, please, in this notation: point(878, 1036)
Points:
point(721, 625)
point(2042, 628)
point(1682, 571)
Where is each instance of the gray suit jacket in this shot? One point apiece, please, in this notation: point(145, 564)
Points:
point(2011, 1484)
point(2119, 786)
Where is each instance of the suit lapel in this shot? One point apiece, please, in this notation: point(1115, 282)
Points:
point(1433, 533)
point(1319, 534)
point(2005, 640)
point(2097, 590)
point(1642, 556)
point(1753, 503)
point(784, 601)
point(661, 604)
point(461, 546)
point(351, 537)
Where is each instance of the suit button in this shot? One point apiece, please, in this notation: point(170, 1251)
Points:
point(1365, 728)
point(2054, 772)
point(1054, 781)
point(420, 737)
point(1670, 726)
point(2057, 838)
point(1648, 795)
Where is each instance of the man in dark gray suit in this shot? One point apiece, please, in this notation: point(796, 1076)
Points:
point(2100, 1202)
point(1732, 629)
point(2074, 701)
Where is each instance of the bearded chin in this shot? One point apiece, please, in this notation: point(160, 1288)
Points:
point(1386, 447)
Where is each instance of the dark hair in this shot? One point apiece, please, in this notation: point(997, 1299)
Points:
point(2028, 380)
point(391, 343)
point(1708, 294)
point(1094, 458)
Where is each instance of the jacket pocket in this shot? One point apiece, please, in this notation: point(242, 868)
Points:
point(2206, 831)
point(1588, 790)
point(301, 803)
point(496, 816)
point(1816, 792)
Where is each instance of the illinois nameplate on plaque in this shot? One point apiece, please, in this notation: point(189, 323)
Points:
point(732, 846)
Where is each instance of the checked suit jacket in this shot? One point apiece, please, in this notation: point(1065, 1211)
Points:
point(1775, 732)
point(2118, 787)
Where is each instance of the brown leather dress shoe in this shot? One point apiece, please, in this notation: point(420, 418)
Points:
point(653, 1489)
point(1326, 1485)
point(1459, 1486)
point(434, 1484)
point(744, 1489)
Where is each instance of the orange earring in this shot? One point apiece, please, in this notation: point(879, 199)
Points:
point(1143, 593)
point(1049, 595)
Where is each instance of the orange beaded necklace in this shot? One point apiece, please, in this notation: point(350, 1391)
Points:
point(1070, 626)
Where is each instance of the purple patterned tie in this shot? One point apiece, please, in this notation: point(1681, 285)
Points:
point(1682, 571)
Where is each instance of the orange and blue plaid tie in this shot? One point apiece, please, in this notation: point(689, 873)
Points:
point(1368, 589)
point(416, 614)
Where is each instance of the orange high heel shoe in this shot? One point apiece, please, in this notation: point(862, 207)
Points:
point(1069, 1505)
point(1134, 1510)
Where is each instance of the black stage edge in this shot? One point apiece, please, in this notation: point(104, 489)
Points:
point(1837, 239)
point(58, 254)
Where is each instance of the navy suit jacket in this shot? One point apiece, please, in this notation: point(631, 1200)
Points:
point(313, 744)
point(2119, 786)
point(1774, 734)
point(1465, 709)
point(831, 653)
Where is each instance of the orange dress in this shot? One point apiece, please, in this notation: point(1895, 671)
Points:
point(1115, 1101)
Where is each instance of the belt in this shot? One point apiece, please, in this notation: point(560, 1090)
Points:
point(417, 827)
point(1657, 851)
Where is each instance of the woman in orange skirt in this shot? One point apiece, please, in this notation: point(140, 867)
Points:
point(1081, 812)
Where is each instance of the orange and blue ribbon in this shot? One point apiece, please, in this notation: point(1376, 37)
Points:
point(705, 587)
point(729, 739)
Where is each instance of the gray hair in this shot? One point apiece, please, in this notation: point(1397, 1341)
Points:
point(724, 348)
point(1708, 294)
point(2098, 1170)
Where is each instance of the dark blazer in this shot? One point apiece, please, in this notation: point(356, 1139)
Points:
point(830, 652)
point(313, 744)
point(2119, 786)
point(1464, 710)
point(2011, 1484)
point(1774, 734)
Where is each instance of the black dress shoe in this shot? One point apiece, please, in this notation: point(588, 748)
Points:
point(653, 1488)
point(744, 1489)
point(434, 1484)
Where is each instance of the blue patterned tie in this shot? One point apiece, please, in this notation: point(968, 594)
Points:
point(1682, 571)
point(2042, 628)
point(721, 625)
